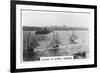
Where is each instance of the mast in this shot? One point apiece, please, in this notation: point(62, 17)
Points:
point(55, 41)
point(31, 43)
point(73, 37)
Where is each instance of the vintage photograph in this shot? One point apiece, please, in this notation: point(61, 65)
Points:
point(47, 33)
point(52, 36)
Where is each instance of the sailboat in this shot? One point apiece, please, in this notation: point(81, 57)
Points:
point(73, 38)
point(31, 43)
point(54, 44)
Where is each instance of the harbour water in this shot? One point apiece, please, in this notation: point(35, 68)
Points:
point(65, 48)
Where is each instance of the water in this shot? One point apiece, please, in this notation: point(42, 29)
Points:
point(65, 48)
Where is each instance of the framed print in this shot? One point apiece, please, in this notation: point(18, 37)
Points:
point(52, 36)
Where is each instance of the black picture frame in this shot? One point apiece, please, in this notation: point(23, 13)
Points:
point(13, 35)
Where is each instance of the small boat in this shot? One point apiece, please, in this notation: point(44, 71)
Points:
point(54, 44)
point(80, 55)
point(73, 38)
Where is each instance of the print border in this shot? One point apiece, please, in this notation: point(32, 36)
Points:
point(13, 35)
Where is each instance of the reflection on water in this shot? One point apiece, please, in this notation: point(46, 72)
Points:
point(78, 50)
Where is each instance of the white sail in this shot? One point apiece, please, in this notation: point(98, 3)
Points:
point(55, 41)
point(73, 37)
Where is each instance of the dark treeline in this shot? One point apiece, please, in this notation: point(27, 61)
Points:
point(27, 28)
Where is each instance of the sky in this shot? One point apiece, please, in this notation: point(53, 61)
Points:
point(48, 18)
